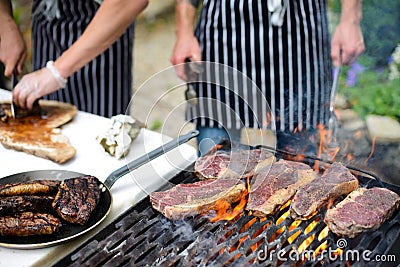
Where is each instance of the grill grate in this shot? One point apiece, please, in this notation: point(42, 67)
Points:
point(143, 237)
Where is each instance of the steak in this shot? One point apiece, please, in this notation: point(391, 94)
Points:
point(337, 180)
point(235, 164)
point(29, 223)
point(362, 210)
point(37, 187)
point(273, 187)
point(15, 204)
point(186, 200)
point(77, 198)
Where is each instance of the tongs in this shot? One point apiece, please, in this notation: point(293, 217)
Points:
point(191, 70)
point(333, 121)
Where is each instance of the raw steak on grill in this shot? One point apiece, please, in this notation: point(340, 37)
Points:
point(362, 210)
point(29, 223)
point(233, 164)
point(14, 204)
point(272, 187)
point(185, 200)
point(337, 180)
point(77, 198)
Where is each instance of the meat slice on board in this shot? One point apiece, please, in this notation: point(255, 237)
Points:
point(186, 200)
point(232, 164)
point(362, 210)
point(273, 187)
point(336, 180)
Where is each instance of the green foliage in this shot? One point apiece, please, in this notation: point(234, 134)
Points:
point(375, 94)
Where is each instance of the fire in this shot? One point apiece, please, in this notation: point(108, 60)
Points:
point(323, 233)
point(305, 244)
point(282, 218)
point(372, 150)
point(224, 209)
point(311, 226)
point(293, 226)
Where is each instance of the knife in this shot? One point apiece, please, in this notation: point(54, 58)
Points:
point(14, 82)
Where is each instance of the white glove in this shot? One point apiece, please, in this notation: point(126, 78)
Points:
point(37, 84)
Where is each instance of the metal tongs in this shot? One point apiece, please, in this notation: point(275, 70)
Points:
point(192, 69)
point(333, 121)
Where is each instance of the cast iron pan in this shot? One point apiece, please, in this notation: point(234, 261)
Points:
point(70, 231)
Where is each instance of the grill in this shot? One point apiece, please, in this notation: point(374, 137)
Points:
point(143, 237)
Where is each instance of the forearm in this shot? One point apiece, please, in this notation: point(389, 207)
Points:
point(6, 16)
point(109, 23)
point(351, 11)
point(185, 14)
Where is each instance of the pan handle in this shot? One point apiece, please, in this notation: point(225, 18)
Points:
point(114, 176)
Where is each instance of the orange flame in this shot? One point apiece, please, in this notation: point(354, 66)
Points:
point(311, 226)
point(305, 244)
point(372, 150)
point(224, 209)
point(323, 233)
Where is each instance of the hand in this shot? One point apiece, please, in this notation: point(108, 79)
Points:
point(33, 86)
point(12, 49)
point(185, 47)
point(347, 43)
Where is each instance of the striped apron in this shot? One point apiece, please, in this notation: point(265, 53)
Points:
point(104, 85)
point(286, 69)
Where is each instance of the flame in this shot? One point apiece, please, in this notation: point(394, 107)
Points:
point(330, 203)
point(305, 244)
point(293, 226)
point(293, 237)
point(372, 150)
point(224, 209)
point(262, 229)
point(320, 248)
point(311, 226)
point(323, 233)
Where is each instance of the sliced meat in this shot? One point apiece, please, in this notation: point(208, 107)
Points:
point(77, 198)
point(272, 187)
point(337, 180)
point(37, 187)
point(29, 223)
point(15, 204)
point(362, 210)
point(186, 200)
point(234, 164)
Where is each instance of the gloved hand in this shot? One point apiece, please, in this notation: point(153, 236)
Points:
point(37, 84)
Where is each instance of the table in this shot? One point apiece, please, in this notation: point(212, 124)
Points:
point(91, 159)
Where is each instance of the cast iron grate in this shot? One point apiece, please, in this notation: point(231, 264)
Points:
point(143, 237)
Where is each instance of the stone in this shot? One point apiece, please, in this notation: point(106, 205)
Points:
point(345, 115)
point(383, 129)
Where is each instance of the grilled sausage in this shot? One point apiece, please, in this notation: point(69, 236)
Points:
point(38, 187)
point(15, 204)
point(29, 223)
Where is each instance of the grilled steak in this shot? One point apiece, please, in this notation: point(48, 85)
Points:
point(37, 187)
point(337, 180)
point(186, 200)
point(15, 204)
point(273, 187)
point(77, 198)
point(29, 223)
point(235, 164)
point(362, 210)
